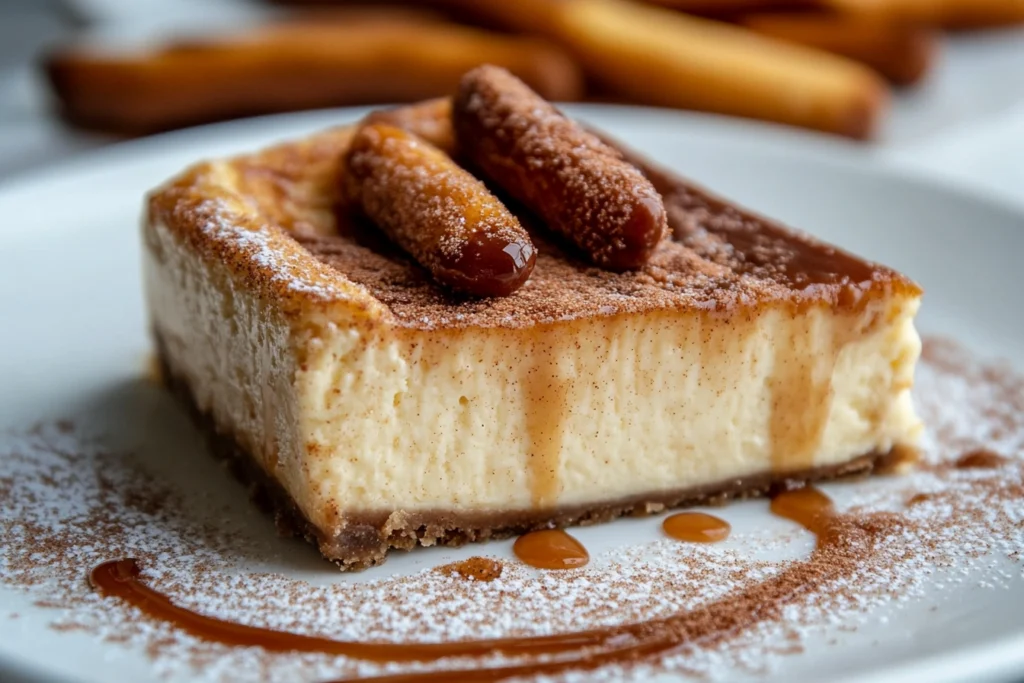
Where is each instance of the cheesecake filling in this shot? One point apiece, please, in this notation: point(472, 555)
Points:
point(359, 420)
point(602, 409)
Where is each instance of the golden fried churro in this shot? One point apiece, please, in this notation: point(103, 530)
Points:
point(662, 57)
point(944, 13)
point(331, 60)
point(440, 214)
point(430, 120)
point(723, 7)
point(901, 52)
point(578, 185)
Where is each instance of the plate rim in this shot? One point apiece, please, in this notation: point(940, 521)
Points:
point(813, 146)
point(993, 658)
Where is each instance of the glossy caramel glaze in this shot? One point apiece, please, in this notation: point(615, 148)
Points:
point(474, 569)
point(981, 458)
point(807, 506)
point(696, 527)
point(551, 549)
point(547, 405)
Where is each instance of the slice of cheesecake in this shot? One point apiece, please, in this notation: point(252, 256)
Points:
point(378, 411)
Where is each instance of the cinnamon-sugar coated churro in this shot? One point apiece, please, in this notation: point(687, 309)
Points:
point(342, 58)
point(945, 13)
point(720, 7)
point(902, 52)
point(430, 120)
point(437, 212)
point(653, 55)
point(578, 185)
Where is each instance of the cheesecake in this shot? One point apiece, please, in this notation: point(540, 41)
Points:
point(372, 408)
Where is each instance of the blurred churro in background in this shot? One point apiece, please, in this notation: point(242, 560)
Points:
point(656, 56)
point(954, 14)
point(826, 65)
point(902, 52)
point(726, 7)
point(327, 59)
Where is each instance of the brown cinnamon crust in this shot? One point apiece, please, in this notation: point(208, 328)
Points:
point(368, 536)
point(310, 256)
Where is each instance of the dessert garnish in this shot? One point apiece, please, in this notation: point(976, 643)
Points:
point(439, 213)
point(981, 458)
point(696, 527)
point(584, 650)
point(474, 568)
point(579, 186)
point(808, 507)
point(551, 549)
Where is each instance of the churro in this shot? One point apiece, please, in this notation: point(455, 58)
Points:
point(653, 55)
point(725, 7)
point(430, 120)
point(944, 13)
point(901, 52)
point(330, 60)
point(578, 185)
point(440, 214)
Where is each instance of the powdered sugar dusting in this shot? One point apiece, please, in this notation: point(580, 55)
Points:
point(265, 250)
point(69, 504)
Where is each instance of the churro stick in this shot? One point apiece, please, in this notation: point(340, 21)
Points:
point(439, 213)
point(666, 58)
point(430, 120)
point(327, 61)
point(725, 7)
point(903, 53)
point(577, 184)
point(944, 13)
point(524, 16)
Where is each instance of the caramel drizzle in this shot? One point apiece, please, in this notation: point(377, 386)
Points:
point(980, 459)
point(546, 404)
point(801, 394)
point(550, 549)
point(696, 527)
point(838, 538)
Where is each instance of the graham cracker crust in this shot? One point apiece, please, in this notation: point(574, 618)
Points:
point(367, 537)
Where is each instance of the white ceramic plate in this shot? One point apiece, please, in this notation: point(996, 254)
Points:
point(73, 341)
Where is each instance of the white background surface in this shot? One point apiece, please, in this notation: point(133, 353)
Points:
point(89, 292)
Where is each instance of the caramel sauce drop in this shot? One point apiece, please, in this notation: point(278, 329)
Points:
point(696, 527)
point(475, 568)
point(980, 459)
point(807, 506)
point(900, 460)
point(919, 498)
point(550, 549)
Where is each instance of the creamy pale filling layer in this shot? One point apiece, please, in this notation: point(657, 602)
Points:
point(372, 418)
point(600, 410)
